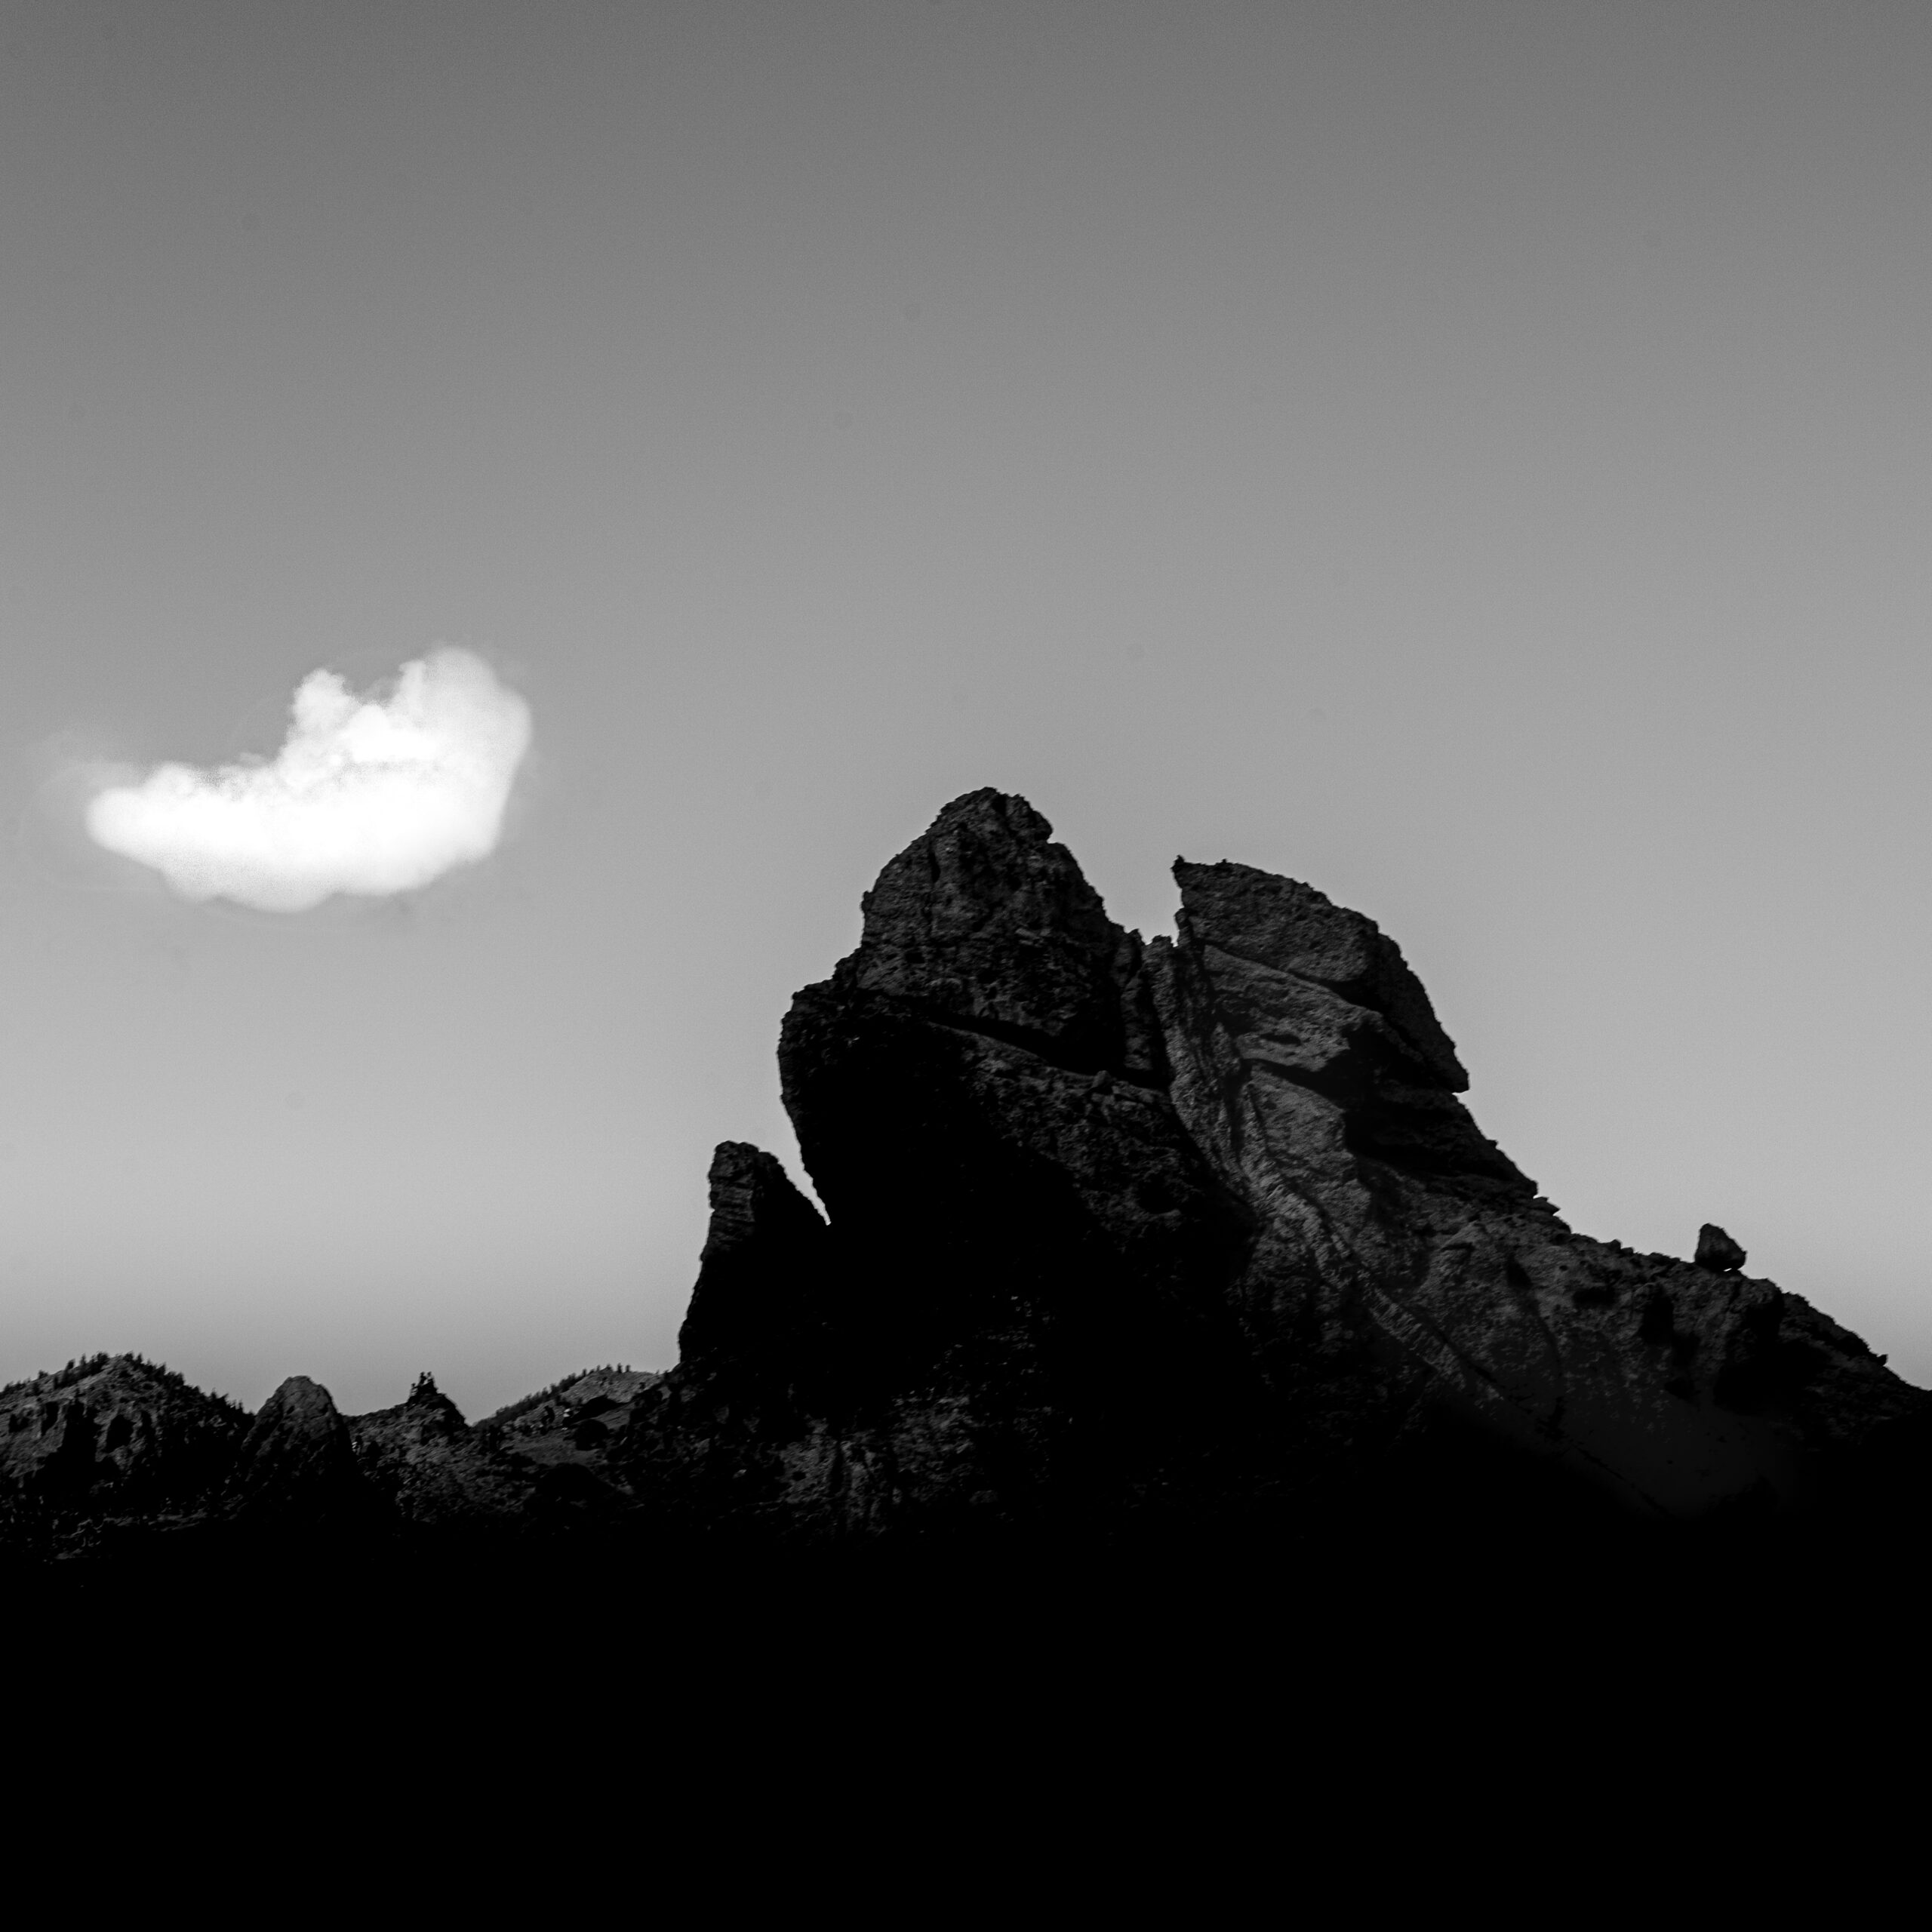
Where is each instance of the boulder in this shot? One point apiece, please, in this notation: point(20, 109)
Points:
point(1717, 1251)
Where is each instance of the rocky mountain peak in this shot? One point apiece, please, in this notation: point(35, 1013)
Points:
point(1278, 1254)
point(985, 919)
point(298, 1463)
point(760, 1279)
point(428, 1408)
point(1286, 927)
point(1118, 1240)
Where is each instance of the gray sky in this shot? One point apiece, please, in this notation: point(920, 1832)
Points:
point(1470, 457)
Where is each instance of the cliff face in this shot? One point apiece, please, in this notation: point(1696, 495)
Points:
point(1118, 1229)
point(1311, 1069)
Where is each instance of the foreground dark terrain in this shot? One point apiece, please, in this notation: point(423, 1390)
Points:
point(1137, 1252)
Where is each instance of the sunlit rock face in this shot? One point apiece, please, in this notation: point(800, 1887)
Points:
point(1200, 1229)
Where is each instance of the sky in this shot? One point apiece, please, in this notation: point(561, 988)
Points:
point(1470, 457)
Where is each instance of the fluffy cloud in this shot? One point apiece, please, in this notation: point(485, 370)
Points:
point(366, 796)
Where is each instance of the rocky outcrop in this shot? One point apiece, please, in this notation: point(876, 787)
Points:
point(1408, 1277)
point(116, 1457)
point(555, 1448)
point(419, 1468)
point(1120, 1230)
point(297, 1470)
point(430, 1469)
point(763, 1307)
point(1717, 1251)
point(113, 1434)
point(1019, 1306)
point(1120, 1241)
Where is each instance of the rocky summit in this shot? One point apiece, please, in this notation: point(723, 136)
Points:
point(1120, 1233)
point(1122, 1240)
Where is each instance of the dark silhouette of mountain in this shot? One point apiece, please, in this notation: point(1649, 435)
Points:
point(1127, 1245)
point(297, 1471)
point(108, 1438)
point(1123, 1231)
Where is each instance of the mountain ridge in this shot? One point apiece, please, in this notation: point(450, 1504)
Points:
point(1123, 1239)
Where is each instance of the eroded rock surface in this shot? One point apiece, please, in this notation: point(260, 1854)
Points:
point(1199, 1227)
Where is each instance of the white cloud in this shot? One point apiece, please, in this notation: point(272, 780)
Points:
point(366, 796)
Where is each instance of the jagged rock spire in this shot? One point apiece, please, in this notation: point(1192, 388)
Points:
point(1074, 1183)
